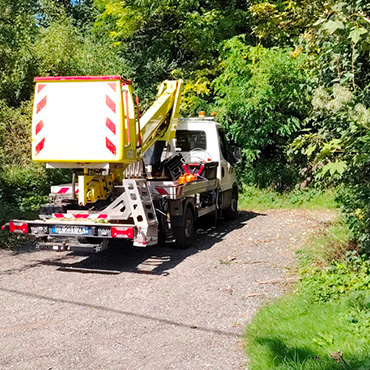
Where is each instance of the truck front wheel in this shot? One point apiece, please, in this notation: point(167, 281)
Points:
point(231, 212)
point(184, 234)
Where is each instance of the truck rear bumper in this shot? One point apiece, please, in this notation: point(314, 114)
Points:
point(72, 229)
point(59, 231)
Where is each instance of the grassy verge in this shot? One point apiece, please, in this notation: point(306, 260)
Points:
point(252, 198)
point(325, 324)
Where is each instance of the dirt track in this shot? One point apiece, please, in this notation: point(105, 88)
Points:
point(154, 308)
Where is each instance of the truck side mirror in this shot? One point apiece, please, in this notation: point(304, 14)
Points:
point(237, 153)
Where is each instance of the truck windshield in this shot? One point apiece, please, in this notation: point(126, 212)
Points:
point(189, 140)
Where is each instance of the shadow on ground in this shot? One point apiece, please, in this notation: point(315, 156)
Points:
point(157, 260)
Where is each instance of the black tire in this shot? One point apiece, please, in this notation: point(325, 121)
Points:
point(184, 235)
point(231, 212)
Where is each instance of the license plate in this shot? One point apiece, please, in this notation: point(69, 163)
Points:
point(67, 229)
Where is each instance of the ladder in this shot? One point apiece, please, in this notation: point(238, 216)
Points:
point(142, 211)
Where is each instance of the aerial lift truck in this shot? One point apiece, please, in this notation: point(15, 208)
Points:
point(135, 177)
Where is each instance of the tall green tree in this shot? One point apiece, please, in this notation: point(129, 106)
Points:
point(158, 38)
point(17, 34)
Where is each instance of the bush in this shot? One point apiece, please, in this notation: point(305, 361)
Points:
point(272, 173)
point(345, 276)
point(354, 199)
point(261, 96)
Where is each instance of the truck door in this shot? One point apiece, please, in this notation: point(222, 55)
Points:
point(227, 179)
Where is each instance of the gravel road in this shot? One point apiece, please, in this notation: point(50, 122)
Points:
point(152, 308)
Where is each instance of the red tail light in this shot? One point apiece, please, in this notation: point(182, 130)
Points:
point(127, 232)
point(16, 227)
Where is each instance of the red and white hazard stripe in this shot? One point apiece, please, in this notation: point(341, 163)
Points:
point(171, 191)
point(41, 100)
point(111, 139)
point(63, 189)
point(75, 216)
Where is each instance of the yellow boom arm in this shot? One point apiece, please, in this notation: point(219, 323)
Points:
point(159, 121)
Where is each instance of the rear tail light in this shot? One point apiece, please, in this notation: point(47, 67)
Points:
point(18, 227)
point(119, 232)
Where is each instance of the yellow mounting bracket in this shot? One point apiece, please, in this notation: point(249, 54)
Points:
point(94, 188)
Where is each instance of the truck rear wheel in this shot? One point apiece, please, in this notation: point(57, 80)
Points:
point(184, 234)
point(231, 211)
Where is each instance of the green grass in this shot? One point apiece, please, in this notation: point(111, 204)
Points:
point(330, 311)
point(252, 198)
point(298, 333)
point(331, 243)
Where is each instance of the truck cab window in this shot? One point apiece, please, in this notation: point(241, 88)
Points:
point(224, 145)
point(189, 140)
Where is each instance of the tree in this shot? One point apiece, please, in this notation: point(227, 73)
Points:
point(17, 33)
point(159, 38)
point(260, 95)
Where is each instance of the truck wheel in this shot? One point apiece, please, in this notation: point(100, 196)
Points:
point(184, 234)
point(231, 211)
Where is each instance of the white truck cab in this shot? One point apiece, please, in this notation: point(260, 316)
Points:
point(203, 140)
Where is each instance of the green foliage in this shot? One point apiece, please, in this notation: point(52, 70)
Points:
point(341, 41)
point(197, 93)
point(338, 124)
point(158, 38)
point(260, 96)
point(334, 148)
point(26, 187)
point(64, 41)
point(17, 33)
point(74, 53)
point(331, 266)
point(354, 198)
point(346, 276)
point(15, 130)
point(271, 172)
point(282, 24)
